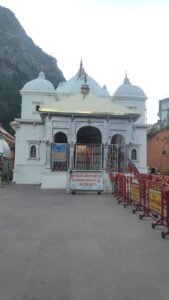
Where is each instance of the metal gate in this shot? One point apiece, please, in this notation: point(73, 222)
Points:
point(88, 157)
point(118, 158)
point(59, 157)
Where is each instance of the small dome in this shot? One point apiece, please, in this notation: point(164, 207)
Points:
point(39, 84)
point(4, 148)
point(73, 85)
point(129, 90)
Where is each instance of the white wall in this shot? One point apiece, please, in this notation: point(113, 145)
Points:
point(30, 101)
point(54, 180)
point(138, 107)
point(140, 139)
point(26, 167)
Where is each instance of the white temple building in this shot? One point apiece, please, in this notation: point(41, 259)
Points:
point(68, 137)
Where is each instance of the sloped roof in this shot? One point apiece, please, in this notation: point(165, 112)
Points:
point(90, 104)
point(7, 136)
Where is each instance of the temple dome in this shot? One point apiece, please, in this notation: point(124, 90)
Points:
point(73, 85)
point(40, 84)
point(128, 90)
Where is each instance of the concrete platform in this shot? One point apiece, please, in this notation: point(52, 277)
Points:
point(58, 246)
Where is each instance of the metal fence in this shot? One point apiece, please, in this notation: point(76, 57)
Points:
point(88, 157)
point(93, 157)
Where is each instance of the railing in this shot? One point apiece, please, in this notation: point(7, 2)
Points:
point(89, 157)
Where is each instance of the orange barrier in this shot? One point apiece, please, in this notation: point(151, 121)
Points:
point(147, 194)
point(123, 189)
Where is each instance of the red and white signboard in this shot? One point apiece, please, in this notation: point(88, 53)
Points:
point(86, 181)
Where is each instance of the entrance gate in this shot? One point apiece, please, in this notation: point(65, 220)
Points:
point(117, 158)
point(88, 157)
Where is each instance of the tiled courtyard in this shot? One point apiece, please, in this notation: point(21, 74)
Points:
point(59, 246)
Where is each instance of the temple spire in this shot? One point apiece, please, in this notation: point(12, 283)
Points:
point(126, 80)
point(81, 70)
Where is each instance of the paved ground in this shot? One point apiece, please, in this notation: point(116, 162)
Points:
point(58, 246)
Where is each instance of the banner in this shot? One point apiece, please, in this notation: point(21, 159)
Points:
point(155, 200)
point(59, 152)
point(135, 192)
point(86, 181)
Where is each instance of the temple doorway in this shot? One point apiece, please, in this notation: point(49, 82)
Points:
point(88, 152)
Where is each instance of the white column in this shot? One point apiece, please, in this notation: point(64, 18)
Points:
point(105, 160)
point(48, 156)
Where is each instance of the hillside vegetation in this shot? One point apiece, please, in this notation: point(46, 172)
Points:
point(20, 61)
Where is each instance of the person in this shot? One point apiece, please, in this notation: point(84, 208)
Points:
point(153, 171)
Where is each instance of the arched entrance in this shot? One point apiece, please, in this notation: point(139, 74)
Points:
point(117, 139)
point(59, 152)
point(89, 135)
point(117, 154)
point(60, 137)
point(88, 152)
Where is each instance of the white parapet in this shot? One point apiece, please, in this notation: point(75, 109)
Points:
point(54, 180)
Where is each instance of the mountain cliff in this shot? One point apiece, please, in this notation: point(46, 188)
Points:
point(20, 61)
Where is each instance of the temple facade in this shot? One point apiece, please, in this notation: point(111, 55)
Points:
point(68, 137)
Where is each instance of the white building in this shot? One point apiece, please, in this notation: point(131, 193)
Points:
point(68, 137)
point(163, 112)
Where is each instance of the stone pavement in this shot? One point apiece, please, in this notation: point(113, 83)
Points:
point(58, 246)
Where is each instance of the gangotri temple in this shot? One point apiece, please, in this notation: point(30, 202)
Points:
point(68, 137)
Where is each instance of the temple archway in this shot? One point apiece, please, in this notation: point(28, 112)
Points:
point(59, 152)
point(60, 137)
point(117, 139)
point(89, 135)
point(88, 152)
point(117, 153)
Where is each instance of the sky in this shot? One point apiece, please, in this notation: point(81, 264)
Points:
point(110, 36)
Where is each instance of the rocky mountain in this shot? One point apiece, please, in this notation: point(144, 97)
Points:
point(20, 61)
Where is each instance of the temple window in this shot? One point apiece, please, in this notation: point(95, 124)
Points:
point(32, 151)
point(133, 154)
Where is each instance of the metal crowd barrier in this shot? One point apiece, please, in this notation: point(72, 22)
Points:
point(148, 195)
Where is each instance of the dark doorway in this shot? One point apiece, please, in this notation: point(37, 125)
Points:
point(89, 135)
point(60, 137)
point(88, 152)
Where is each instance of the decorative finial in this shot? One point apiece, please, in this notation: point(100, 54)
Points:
point(126, 80)
point(41, 75)
point(85, 87)
point(85, 78)
point(42, 67)
point(81, 63)
point(81, 70)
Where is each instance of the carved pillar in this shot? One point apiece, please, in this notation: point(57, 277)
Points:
point(71, 156)
point(48, 156)
point(105, 143)
point(105, 158)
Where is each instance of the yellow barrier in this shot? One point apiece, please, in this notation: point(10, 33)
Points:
point(135, 192)
point(155, 200)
